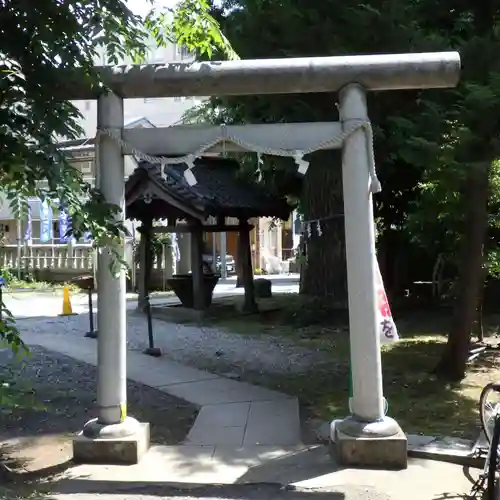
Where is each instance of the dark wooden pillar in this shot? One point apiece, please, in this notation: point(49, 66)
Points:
point(141, 292)
point(238, 262)
point(147, 260)
point(197, 266)
point(245, 257)
point(257, 243)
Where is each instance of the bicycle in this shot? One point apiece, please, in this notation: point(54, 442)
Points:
point(487, 485)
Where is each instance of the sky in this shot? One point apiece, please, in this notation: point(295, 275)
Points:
point(142, 7)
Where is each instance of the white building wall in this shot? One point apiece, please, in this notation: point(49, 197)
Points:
point(161, 112)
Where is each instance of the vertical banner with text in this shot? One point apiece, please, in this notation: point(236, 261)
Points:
point(386, 325)
point(28, 232)
point(385, 322)
point(46, 229)
point(64, 226)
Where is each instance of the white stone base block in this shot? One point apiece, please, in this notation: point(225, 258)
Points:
point(381, 445)
point(112, 450)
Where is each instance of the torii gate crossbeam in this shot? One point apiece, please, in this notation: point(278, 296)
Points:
point(269, 76)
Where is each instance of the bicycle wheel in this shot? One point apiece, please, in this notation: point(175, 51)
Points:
point(492, 490)
point(489, 407)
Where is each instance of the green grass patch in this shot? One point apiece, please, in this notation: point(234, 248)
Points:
point(14, 285)
point(417, 400)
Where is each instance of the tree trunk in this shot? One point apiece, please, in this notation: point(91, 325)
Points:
point(453, 362)
point(324, 272)
point(480, 324)
point(479, 330)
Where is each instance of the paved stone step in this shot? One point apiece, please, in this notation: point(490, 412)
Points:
point(245, 424)
point(273, 423)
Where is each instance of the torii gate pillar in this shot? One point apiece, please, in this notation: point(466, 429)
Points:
point(113, 437)
point(368, 437)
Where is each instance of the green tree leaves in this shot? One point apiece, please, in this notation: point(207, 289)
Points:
point(37, 40)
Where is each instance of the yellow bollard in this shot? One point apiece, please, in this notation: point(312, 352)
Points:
point(67, 310)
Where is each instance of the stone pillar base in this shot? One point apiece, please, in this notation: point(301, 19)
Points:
point(381, 445)
point(114, 448)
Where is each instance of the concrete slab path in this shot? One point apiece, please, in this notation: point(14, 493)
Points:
point(232, 413)
point(192, 470)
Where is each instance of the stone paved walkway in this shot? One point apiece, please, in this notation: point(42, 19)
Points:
point(232, 413)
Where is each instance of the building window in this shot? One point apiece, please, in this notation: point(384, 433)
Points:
point(85, 167)
point(183, 51)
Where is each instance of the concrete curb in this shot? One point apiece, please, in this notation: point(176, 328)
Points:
point(439, 448)
point(445, 449)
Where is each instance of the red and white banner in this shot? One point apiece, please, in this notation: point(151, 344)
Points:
point(387, 327)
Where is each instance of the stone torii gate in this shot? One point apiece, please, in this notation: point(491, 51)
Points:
point(368, 436)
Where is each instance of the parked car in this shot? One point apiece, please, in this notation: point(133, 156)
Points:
point(230, 263)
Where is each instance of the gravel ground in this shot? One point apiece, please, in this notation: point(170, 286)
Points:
point(199, 346)
point(64, 389)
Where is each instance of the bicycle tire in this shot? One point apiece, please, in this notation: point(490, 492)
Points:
point(491, 486)
point(492, 386)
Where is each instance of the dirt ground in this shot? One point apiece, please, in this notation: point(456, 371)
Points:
point(53, 396)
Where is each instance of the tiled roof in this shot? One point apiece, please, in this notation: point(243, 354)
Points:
point(219, 190)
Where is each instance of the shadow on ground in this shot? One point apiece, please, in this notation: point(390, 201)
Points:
point(47, 397)
point(303, 475)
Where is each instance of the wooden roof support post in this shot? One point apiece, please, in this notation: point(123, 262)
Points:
point(147, 235)
point(197, 266)
point(221, 221)
point(141, 283)
point(245, 257)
